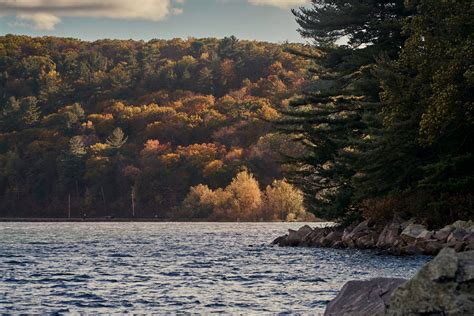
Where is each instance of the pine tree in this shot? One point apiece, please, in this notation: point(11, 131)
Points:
point(336, 114)
point(72, 166)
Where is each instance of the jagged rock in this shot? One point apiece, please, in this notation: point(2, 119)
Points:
point(430, 247)
point(359, 231)
point(279, 240)
point(443, 233)
point(457, 235)
point(463, 224)
point(412, 231)
point(306, 229)
point(425, 235)
point(469, 237)
point(295, 237)
point(347, 231)
point(331, 238)
point(388, 236)
point(366, 241)
point(411, 249)
point(316, 237)
point(444, 286)
point(456, 239)
point(393, 239)
point(363, 297)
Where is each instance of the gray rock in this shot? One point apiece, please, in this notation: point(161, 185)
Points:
point(425, 235)
point(316, 237)
point(443, 286)
point(363, 297)
point(388, 236)
point(366, 241)
point(456, 239)
point(462, 224)
point(443, 233)
point(331, 238)
point(280, 240)
point(295, 237)
point(351, 238)
point(457, 235)
point(411, 249)
point(412, 231)
point(430, 247)
point(469, 237)
point(304, 230)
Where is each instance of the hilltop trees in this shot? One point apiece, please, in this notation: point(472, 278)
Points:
point(91, 126)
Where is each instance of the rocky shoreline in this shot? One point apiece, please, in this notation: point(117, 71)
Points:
point(397, 237)
point(444, 286)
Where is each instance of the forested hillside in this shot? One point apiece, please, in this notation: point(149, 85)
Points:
point(127, 128)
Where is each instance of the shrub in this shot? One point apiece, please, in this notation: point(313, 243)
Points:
point(283, 202)
point(200, 202)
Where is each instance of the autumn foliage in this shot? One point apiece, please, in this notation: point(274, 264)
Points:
point(89, 126)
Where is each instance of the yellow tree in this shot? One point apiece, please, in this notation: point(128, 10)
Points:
point(246, 197)
point(283, 201)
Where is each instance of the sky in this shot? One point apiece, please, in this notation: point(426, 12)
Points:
point(265, 20)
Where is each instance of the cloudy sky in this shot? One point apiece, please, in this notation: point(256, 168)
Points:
point(268, 20)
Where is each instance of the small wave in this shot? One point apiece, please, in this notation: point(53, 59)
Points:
point(89, 296)
point(313, 280)
point(215, 305)
point(19, 263)
point(120, 255)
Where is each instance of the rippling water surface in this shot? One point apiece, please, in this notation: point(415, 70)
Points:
point(160, 267)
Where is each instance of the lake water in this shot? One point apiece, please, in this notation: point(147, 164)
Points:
point(175, 267)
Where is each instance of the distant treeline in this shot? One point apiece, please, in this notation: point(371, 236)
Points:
point(122, 128)
point(388, 117)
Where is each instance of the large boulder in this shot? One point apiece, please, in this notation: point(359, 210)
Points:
point(411, 232)
point(296, 237)
point(313, 238)
point(456, 239)
point(469, 241)
point(363, 297)
point(443, 234)
point(430, 247)
point(350, 238)
point(330, 239)
point(388, 236)
point(463, 224)
point(444, 286)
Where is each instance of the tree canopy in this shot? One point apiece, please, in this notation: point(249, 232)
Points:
point(95, 123)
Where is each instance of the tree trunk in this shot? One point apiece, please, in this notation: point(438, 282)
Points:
point(133, 202)
point(103, 199)
point(69, 205)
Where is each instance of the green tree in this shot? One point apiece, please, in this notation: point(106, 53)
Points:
point(332, 118)
point(10, 115)
point(72, 166)
point(428, 109)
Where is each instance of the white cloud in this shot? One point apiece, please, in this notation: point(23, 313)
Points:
point(39, 21)
point(45, 14)
point(284, 4)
